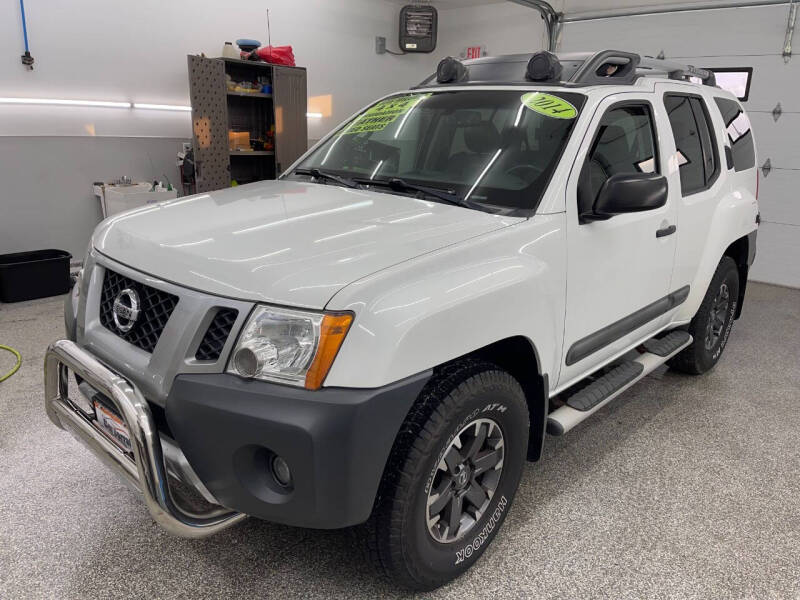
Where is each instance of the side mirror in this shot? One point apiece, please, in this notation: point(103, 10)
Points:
point(628, 192)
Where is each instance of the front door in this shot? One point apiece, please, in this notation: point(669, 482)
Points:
point(619, 270)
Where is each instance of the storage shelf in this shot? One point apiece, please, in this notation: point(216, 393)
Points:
point(252, 152)
point(257, 63)
point(225, 112)
point(246, 63)
point(249, 94)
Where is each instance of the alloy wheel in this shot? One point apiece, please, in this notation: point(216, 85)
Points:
point(465, 481)
point(716, 320)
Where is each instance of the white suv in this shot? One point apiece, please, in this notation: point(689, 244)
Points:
point(383, 336)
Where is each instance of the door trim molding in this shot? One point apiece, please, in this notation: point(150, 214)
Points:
point(601, 338)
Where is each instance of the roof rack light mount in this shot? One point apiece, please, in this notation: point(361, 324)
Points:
point(608, 67)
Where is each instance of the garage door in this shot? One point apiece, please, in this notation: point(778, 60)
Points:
point(740, 37)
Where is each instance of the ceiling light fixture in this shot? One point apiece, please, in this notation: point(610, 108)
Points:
point(176, 107)
point(62, 102)
point(110, 104)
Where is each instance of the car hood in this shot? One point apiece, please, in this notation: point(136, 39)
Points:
point(284, 242)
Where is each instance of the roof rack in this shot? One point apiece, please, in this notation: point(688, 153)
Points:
point(678, 71)
point(628, 67)
point(606, 67)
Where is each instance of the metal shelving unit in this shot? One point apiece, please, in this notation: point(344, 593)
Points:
point(249, 94)
point(216, 110)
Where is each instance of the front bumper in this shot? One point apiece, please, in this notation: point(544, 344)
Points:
point(336, 442)
point(147, 470)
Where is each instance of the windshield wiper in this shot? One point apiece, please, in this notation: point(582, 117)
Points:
point(401, 185)
point(318, 174)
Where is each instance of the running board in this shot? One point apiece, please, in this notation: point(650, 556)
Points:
point(587, 401)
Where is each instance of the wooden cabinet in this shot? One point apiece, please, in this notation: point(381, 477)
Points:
point(271, 127)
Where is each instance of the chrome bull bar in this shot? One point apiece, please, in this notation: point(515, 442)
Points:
point(146, 472)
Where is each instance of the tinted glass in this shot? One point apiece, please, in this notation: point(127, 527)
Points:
point(737, 82)
point(489, 146)
point(706, 139)
point(624, 144)
point(740, 136)
point(687, 141)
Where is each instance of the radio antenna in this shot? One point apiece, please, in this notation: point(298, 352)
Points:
point(269, 37)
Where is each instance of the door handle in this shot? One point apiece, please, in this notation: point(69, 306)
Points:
point(665, 231)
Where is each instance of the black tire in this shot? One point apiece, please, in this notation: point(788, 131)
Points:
point(467, 396)
point(712, 324)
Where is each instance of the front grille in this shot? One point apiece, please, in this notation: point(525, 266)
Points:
point(155, 308)
point(217, 334)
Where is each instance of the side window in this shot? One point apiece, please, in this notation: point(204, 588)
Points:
point(624, 143)
point(706, 140)
point(697, 155)
point(740, 136)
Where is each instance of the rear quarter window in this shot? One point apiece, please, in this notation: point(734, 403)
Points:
point(694, 142)
point(740, 135)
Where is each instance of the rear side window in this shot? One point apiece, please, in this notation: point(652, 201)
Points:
point(740, 136)
point(694, 140)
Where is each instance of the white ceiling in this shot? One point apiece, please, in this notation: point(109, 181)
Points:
point(449, 4)
point(565, 6)
point(577, 6)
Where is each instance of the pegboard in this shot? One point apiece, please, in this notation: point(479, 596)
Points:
point(209, 122)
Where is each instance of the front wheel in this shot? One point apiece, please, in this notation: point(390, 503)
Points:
point(712, 324)
point(451, 476)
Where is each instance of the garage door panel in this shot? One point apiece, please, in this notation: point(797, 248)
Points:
point(779, 141)
point(779, 198)
point(773, 80)
point(776, 259)
point(704, 33)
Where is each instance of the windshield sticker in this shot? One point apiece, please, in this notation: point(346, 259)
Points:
point(383, 113)
point(549, 106)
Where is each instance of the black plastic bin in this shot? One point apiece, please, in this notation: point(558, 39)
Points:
point(37, 274)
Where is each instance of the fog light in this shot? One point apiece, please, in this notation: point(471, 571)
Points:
point(281, 472)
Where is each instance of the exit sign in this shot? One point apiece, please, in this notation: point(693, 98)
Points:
point(473, 52)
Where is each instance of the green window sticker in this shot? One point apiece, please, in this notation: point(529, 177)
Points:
point(384, 113)
point(549, 106)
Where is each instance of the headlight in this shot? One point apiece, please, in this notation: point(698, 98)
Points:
point(289, 346)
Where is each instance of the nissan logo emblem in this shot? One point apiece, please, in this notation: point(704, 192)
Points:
point(126, 309)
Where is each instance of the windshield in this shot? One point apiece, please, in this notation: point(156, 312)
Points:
point(492, 148)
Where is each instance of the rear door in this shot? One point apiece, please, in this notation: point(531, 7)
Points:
point(695, 154)
point(619, 270)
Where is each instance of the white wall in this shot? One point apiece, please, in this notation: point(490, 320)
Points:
point(503, 28)
point(136, 51)
point(45, 205)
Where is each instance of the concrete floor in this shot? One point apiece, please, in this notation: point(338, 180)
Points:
point(684, 487)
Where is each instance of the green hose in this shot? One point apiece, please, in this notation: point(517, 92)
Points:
point(16, 366)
